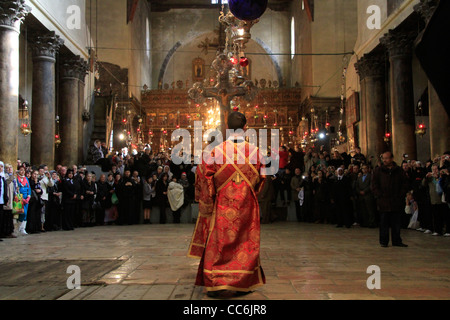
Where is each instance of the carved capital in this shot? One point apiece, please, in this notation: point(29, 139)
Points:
point(70, 68)
point(13, 11)
point(399, 43)
point(46, 45)
point(83, 69)
point(371, 65)
point(426, 9)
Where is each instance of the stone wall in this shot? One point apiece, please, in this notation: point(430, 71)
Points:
point(332, 31)
point(124, 44)
point(174, 46)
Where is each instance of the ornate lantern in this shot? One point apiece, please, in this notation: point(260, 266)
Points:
point(24, 119)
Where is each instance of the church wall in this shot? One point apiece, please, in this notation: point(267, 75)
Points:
point(193, 26)
point(124, 44)
point(110, 25)
point(302, 70)
point(166, 35)
point(140, 68)
point(273, 29)
point(56, 16)
point(332, 31)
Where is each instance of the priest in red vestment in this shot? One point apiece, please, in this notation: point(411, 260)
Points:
point(227, 234)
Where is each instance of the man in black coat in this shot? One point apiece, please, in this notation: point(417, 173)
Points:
point(340, 196)
point(127, 199)
point(389, 186)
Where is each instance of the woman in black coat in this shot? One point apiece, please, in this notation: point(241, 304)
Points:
point(34, 210)
point(71, 191)
point(53, 223)
point(321, 198)
point(101, 200)
point(161, 196)
point(126, 192)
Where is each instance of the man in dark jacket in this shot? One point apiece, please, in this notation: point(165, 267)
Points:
point(341, 197)
point(389, 186)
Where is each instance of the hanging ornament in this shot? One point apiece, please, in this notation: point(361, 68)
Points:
point(57, 135)
point(24, 116)
point(248, 10)
point(244, 62)
point(421, 129)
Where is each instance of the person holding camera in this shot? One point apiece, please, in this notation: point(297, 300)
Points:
point(437, 206)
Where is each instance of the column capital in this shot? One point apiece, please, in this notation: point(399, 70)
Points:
point(83, 69)
point(74, 67)
point(399, 43)
point(371, 65)
point(13, 11)
point(426, 9)
point(46, 45)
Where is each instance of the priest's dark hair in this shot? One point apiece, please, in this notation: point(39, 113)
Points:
point(236, 121)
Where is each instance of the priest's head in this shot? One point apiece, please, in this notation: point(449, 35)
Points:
point(236, 121)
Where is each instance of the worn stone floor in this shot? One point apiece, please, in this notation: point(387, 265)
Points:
point(148, 262)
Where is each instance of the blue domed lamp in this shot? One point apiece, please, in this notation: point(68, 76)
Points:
point(243, 15)
point(248, 10)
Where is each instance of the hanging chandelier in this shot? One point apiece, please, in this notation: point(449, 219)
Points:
point(24, 119)
point(421, 128)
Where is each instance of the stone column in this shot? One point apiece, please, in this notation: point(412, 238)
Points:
point(439, 124)
point(11, 15)
point(371, 69)
point(399, 46)
point(69, 105)
point(439, 119)
point(82, 71)
point(45, 48)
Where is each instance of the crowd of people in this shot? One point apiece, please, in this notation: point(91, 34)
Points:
point(326, 188)
point(338, 188)
point(36, 199)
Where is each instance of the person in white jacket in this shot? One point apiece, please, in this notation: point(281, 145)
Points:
point(175, 194)
point(7, 224)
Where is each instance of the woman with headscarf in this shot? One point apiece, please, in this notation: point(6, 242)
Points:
point(175, 195)
point(88, 192)
point(110, 207)
point(168, 172)
point(22, 186)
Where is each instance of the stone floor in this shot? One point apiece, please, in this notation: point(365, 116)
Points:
point(148, 262)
